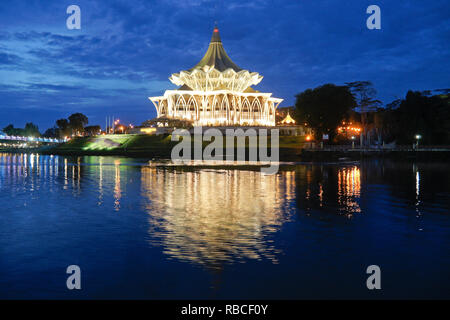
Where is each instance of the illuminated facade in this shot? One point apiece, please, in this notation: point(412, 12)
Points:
point(217, 92)
point(288, 120)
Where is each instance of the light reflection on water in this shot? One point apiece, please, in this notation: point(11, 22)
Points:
point(210, 217)
point(206, 216)
point(288, 228)
point(349, 189)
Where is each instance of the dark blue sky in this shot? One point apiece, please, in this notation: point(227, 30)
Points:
point(126, 50)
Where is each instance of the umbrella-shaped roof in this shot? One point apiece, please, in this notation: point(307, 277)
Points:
point(216, 56)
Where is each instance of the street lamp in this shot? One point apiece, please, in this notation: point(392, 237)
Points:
point(116, 122)
point(353, 142)
point(418, 137)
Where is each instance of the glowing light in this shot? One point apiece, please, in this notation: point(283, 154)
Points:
point(219, 107)
point(308, 138)
point(215, 97)
point(222, 224)
point(349, 189)
point(343, 129)
point(148, 130)
point(288, 120)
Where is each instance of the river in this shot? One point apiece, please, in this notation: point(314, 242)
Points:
point(140, 231)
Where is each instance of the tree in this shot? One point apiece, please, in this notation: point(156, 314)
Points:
point(365, 94)
point(428, 116)
point(324, 108)
point(77, 122)
point(51, 133)
point(418, 113)
point(92, 130)
point(63, 127)
point(31, 130)
point(9, 130)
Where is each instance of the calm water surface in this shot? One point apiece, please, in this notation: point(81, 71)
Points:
point(138, 231)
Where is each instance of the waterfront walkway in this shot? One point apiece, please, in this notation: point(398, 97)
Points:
point(30, 139)
point(327, 152)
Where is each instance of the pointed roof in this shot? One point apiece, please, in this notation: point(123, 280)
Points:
point(216, 56)
point(288, 120)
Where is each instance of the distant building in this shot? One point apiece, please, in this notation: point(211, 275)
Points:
point(288, 120)
point(287, 125)
point(216, 92)
point(282, 113)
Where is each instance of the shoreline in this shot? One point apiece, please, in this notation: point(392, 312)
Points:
point(291, 149)
point(286, 154)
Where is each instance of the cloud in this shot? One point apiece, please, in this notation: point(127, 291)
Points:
point(126, 50)
point(8, 59)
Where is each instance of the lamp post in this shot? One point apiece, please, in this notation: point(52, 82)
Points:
point(353, 142)
point(418, 137)
point(116, 122)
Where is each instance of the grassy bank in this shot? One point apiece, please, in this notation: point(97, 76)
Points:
point(291, 148)
point(142, 145)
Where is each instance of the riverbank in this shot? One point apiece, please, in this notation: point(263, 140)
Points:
point(151, 146)
point(291, 148)
point(342, 152)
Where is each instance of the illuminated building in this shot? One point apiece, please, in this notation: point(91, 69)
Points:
point(217, 92)
point(348, 128)
point(288, 120)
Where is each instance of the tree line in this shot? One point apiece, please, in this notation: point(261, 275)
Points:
point(420, 113)
point(75, 124)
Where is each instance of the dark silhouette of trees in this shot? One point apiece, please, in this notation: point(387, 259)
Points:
point(421, 114)
point(77, 122)
point(30, 130)
point(365, 95)
point(51, 133)
point(324, 108)
point(63, 126)
point(92, 130)
point(9, 130)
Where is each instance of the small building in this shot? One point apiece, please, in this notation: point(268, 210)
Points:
point(288, 120)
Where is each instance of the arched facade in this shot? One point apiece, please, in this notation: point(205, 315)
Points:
point(222, 107)
point(217, 92)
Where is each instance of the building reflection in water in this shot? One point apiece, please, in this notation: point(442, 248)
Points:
point(215, 217)
point(117, 189)
point(329, 189)
point(41, 171)
point(349, 189)
point(204, 216)
point(417, 199)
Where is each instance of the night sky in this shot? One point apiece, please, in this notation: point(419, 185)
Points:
point(126, 50)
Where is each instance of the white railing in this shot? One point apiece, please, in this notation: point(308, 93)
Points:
point(31, 139)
